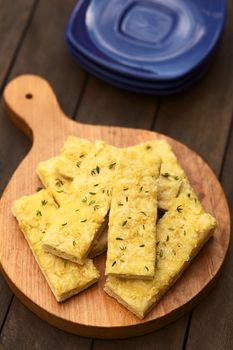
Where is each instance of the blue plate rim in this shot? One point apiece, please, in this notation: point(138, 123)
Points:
point(88, 65)
point(150, 91)
point(116, 67)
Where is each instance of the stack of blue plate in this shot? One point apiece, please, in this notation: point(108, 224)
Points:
point(147, 46)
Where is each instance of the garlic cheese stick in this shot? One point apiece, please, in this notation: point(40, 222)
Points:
point(81, 220)
point(34, 214)
point(181, 233)
point(132, 218)
point(171, 174)
point(57, 173)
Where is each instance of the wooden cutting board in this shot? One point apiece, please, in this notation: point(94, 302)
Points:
point(32, 105)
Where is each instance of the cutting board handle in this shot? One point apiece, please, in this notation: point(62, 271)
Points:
point(33, 107)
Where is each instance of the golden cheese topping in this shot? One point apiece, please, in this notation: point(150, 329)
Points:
point(52, 179)
point(181, 233)
point(73, 153)
point(79, 221)
point(132, 218)
point(34, 214)
point(57, 173)
point(171, 174)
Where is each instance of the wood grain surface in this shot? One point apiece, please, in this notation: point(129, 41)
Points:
point(19, 14)
point(36, 59)
point(200, 117)
point(33, 107)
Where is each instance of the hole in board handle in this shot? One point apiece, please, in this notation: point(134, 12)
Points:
point(29, 96)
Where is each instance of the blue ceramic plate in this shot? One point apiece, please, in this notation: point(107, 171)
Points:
point(155, 86)
point(137, 86)
point(150, 39)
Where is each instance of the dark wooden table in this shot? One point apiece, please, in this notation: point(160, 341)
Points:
point(31, 41)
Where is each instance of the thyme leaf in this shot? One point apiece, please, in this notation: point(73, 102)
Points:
point(165, 174)
point(95, 171)
point(59, 182)
point(179, 208)
point(112, 165)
